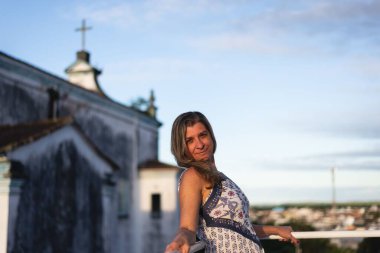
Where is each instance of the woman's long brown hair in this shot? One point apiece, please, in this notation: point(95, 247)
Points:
point(179, 149)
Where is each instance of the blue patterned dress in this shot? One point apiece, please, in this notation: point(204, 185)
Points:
point(224, 223)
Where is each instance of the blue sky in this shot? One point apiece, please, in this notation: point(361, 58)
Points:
point(292, 88)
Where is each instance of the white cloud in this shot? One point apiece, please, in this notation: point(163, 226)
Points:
point(146, 13)
point(361, 159)
point(236, 41)
point(155, 69)
point(351, 20)
point(368, 67)
point(248, 25)
point(121, 14)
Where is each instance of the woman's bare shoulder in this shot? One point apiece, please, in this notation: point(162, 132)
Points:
point(192, 177)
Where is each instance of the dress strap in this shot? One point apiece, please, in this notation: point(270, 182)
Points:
point(180, 178)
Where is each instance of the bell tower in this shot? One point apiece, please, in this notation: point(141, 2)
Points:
point(81, 72)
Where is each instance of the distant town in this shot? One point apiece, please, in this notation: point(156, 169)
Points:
point(322, 217)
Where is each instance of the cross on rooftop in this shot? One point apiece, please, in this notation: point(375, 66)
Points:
point(83, 30)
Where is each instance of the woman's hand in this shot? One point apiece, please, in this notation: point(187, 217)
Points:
point(285, 232)
point(177, 246)
point(182, 242)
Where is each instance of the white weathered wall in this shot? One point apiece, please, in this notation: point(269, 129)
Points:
point(83, 75)
point(163, 181)
point(110, 218)
point(4, 211)
point(42, 148)
point(155, 233)
point(14, 199)
point(24, 153)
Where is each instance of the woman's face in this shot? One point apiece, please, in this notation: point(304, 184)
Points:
point(199, 142)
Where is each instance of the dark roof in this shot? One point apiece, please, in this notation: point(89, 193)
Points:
point(13, 136)
point(155, 164)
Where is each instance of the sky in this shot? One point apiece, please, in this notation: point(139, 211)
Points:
point(291, 88)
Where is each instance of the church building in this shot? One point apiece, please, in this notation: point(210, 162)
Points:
point(79, 172)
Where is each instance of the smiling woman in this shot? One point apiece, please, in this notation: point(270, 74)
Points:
point(212, 206)
point(193, 144)
point(200, 146)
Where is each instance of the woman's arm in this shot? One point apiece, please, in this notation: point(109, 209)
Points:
point(190, 197)
point(283, 231)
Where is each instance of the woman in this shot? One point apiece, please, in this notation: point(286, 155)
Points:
point(211, 205)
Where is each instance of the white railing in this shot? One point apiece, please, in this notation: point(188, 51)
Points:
point(312, 235)
point(333, 234)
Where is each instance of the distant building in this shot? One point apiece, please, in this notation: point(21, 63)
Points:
point(159, 205)
point(69, 165)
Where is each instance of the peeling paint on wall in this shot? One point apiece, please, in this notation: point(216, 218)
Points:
point(114, 144)
point(18, 105)
point(60, 207)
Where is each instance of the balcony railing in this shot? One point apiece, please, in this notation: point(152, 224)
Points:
point(312, 235)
